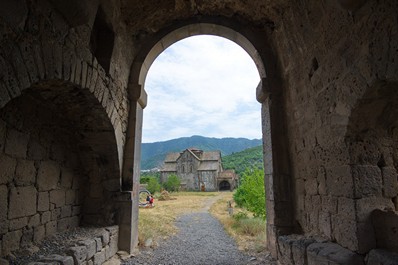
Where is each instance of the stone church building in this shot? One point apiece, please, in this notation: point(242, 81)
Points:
point(72, 97)
point(198, 170)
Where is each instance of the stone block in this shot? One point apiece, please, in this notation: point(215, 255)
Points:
point(98, 243)
point(48, 175)
point(25, 173)
point(367, 181)
point(76, 210)
point(36, 151)
point(381, 257)
point(113, 245)
point(39, 233)
point(3, 202)
point(365, 206)
point(27, 237)
point(91, 247)
point(299, 250)
point(43, 201)
point(99, 258)
point(70, 197)
point(11, 242)
point(64, 224)
point(339, 181)
point(61, 260)
point(390, 182)
point(45, 217)
point(113, 230)
point(7, 168)
point(78, 253)
point(34, 220)
point(16, 224)
point(332, 254)
point(66, 211)
point(57, 197)
point(51, 228)
point(385, 224)
point(346, 207)
point(105, 238)
point(345, 231)
point(22, 202)
point(67, 178)
point(16, 143)
point(285, 249)
point(55, 214)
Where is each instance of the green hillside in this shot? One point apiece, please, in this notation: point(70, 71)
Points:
point(249, 158)
point(153, 154)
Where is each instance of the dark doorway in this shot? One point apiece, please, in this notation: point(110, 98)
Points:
point(224, 185)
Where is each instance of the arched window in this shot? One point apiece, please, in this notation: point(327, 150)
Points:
point(182, 169)
point(191, 169)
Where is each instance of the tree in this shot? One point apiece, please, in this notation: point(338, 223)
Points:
point(251, 194)
point(153, 185)
point(172, 183)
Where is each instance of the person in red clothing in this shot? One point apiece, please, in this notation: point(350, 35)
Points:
point(151, 201)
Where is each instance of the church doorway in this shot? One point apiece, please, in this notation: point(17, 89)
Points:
point(224, 185)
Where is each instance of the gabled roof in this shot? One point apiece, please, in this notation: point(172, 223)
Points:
point(169, 167)
point(208, 165)
point(211, 156)
point(172, 157)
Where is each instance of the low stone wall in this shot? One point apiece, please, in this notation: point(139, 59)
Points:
point(93, 251)
point(301, 250)
point(83, 246)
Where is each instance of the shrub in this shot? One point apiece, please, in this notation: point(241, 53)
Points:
point(250, 226)
point(153, 185)
point(173, 183)
point(240, 215)
point(251, 194)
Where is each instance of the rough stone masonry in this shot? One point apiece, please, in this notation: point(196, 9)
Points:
point(72, 96)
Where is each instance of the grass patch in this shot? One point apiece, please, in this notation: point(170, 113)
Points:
point(248, 232)
point(158, 222)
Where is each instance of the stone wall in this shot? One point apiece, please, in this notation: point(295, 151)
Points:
point(340, 74)
point(41, 180)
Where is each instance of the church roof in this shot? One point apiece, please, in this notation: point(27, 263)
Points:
point(208, 165)
point(169, 167)
point(172, 157)
point(212, 155)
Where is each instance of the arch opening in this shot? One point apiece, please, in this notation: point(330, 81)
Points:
point(224, 186)
point(59, 166)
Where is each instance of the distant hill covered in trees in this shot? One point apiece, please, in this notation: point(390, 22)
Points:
point(248, 158)
point(153, 154)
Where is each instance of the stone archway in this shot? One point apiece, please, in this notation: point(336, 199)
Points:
point(277, 163)
point(224, 185)
point(59, 163)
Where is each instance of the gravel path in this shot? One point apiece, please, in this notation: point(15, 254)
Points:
point(201, 240)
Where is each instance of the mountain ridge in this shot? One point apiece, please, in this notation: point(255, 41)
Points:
point(153, 154)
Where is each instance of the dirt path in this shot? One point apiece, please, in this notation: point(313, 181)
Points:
point(201, 240)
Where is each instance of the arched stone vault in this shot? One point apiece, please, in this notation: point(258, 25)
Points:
point(269, 94)
point(328, 75)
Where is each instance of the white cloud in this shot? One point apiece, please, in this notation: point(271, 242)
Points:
point(202, 85)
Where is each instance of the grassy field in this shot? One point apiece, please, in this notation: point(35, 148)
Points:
point(157, 223)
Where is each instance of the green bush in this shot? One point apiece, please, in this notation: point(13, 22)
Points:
point(251, 194)
point(153, 185)
point(240, 215)
point(172, 184)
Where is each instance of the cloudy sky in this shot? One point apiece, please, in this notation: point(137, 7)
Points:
point(202, 85)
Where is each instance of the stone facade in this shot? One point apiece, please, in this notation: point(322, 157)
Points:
point(197, 170)
point(72, 94)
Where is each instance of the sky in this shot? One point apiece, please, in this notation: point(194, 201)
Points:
point(202, 85)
